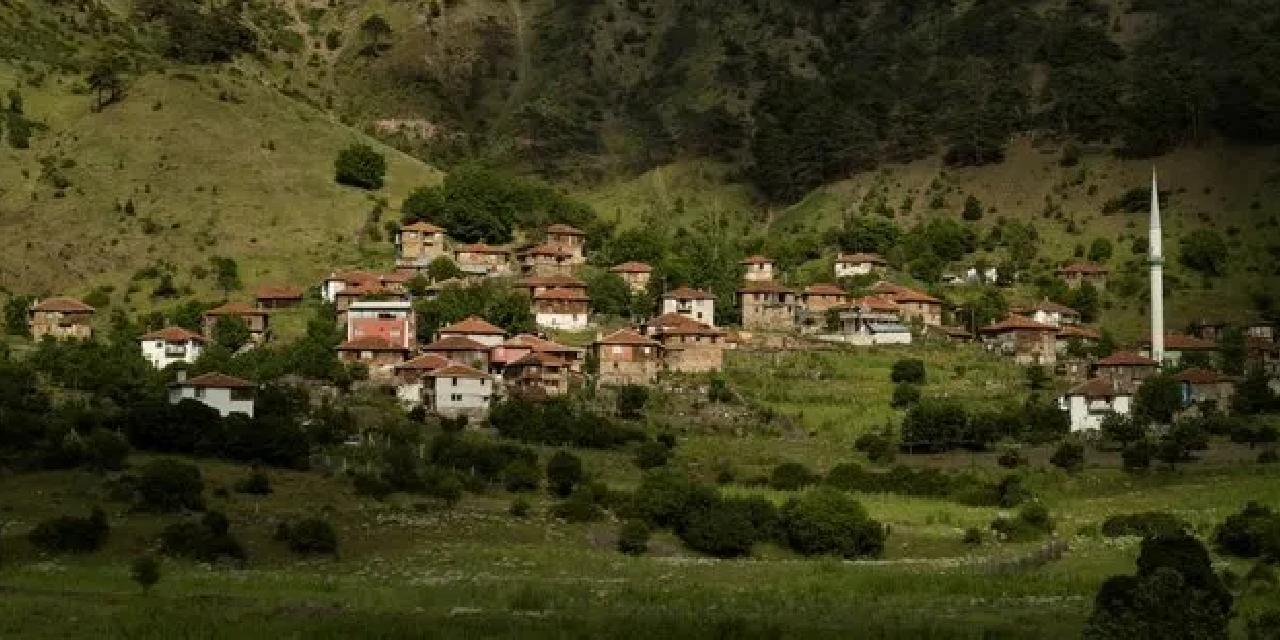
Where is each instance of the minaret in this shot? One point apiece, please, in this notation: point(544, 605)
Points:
point(1156, 258)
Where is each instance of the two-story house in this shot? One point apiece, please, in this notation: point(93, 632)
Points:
point(1089, 404)
point(537, 375)
point(635, 274)
point(688, 346)
point(457, 390)
point(1078, 273)
point(461, 350)
point(171, 345)
point(767, 306)
point(1126, 369)
point(859, 264)
point(473, 328)
point(694, 304)
point(419, 244)
point(378, 354)
point(278, 297)
point(391, 320)
point(570, 240)
point(224, 393)
point(757, 269)
point(1179, 347)
point(870, 320)
point(546, 260)
point(562, 309)
point(410, 376)
point(626, 357)
point(1049, 312)
point(1028, 341)
point(60, 318)
point(483, 260)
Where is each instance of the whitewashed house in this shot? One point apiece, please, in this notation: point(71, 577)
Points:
point(1091, 402)
point(168, 346)
point(693, 304)
point(458, 390)
point(859, 264)
point(226, 394)
point(476, 329)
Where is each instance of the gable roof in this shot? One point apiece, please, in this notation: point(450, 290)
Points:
point(564, 230)
point(627, 336)
point(539, 344)
point(1183, 342)
point(861, 258)
point(539, 358)
point(1202, 376)
point(1127, 359)
point(456, 370)
point(756, 260)
point(569, 282)
point(546, 249)
point(366, 288)
point(1101, 387)
point(631, 267)
point(479, 247)
point(278, 293)
point(765, 287)
point(1081, 267)
point(574, 295)
point(1076, 331)
point(369, 343)
point(886, 287)
point(214, 381)
point(686, 293)
point(455, 343)
point(473, 325)
point(62, 305)
point(1017, 323)
point(352, 277)
point(824, 289)
point(428, 362)
point(422, 226)
point(173, 334)
point(235, 309)
point(875, 303)
point(911, 295)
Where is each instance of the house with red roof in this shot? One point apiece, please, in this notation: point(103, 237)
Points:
point(694, 304)
point(409, 377)
point(391, 319)
point(767, 306)
point(757, 269)
point(1028, 341)
point(534, 285)
point(635, 274)
point(337, 281)
point(1075, 334)
point(546, 259)
point(626, 357)
point(224, 393)
point(1178, 347)
point(256, 320)
point(378, 354)
point(571, 355)
point(1206, 388)
point(418, 244)
point(916, 305)
point(562, 309)
point(483, 260)
point(474, 328)
point(1126, 368)
point(278, 297)
point(1091, 402)
point(849, 265)
point(570, 240)
point(1079, 272)
point(457, 390)
point(60, 318)
point(1049, 312)
point(688, 346)
point(171, 345)
point(462, 350)
point(536, 375)
point(866, 321)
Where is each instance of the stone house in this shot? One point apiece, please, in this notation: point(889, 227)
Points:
point(1089, 404)
point(919, 306)
point(757, 269)
point(818, 298)
point(1178, 347)
point(546, 260)
point(568, 239)
point(1028, 341)
point(688, 346)
point(461, 350)
point(367, 290)
point(226, 394)
point(534, 285)
point(1078, 273)
point(859, 264)
point(390, 320)
point(379, 355)
point(626, 357)
point(418, 244)
point(866, 321)
point(767, 306)
point(635, 274)
point(278, 297)
point(1202, 387)
point(171, 345)
point(562, 309)
point(474, 328)
point(336, 282)
point(256, 319)
point(694, 304)
point(571, 355)
point(537, 375)
point(483, 260)
point(60, 318)
point(1049, 312)
point(1126, 369)
point(409, 377)
point(457, 390)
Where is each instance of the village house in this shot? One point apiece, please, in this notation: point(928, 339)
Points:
point(483, 260)
point(951, 334)
point(915, 305)
point(269, 298)
point(171, 345)
point(694, 304)
point(60, 318)
point(1028, 341)
point(866, 321)
point(390, 320)
point(474, 328)
point(223, 393)
point(502, 355)
point(1179, 348)
point(562, 309)
point(1083, 337)
point(461, 350)
point(626, 357)
point(568, 239)
point(635, 274)
point(758, 269)
point(537, 375)
point(1078, 273)
point(1204, 388)
point(767, 306)
point(419, 244)
point(688, 346)
point(1049, 312)
point(378, 354)
point(336, 282)
point(1126, 368)
point(457, 390)
point(571, 355)
point(370, 290)
point(981, 275)
point(397, 281)
point(1261, 329)
point(816, 301)
point(859, 264)
point(546, 260)
point(1208, 329)
point(410, 376)
point(541, 284)
point(1089, 404)
point(256, 320)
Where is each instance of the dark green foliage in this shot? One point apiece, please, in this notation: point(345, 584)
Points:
point(1122, 429)
point(1069, 456)
point(905, 394)
point(972, 535)
point(442, 269)
point(231, 333)
point(908, 370)
point(1136, 457)
point(1011, 458)
point(1100, 250)
point(940, 425)
point(878, 447)
point(15, 315)
point(1253, 394)
point(610, 294)
point(69, 534)
point(1270, 456)
point(360, 166)
point(199, 36)
point(1158, 399)
point(824, 521)
point(1266, 626)
point(105, 450)
point(630, 401)
point(521, 476)
point(206, 540)
point(651, 454)
point(256, 484)
point(721, 529)
point(1252, 533)
point(791, 476)
point(1205, 251)
point(973, 208)
point(520, 507)
point(667, 497)
point(226, 273)
point(579, 507)
point(1143, 525)
point(166, 486)
point(633, 538)
point(558, 421)
point(310, 537)
point(564, 472)
point(1031, 523)
point(1181, 441)
point(145, 570)
point(500, 304)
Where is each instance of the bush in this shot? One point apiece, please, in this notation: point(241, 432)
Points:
point(791, 476)
point(520, 507)
point(360, 166)
point(579, 507)
point(972, 209)
point(564, 471)
point(69, 534)
point(631, 400)
point(1069, 456)
point(1252, 533)
point(849, 477)
point(1137, 456)
point(909, 370)
point(651, 454)
point(370, 485)
point(145, 570)
point(106, 450)
point(905, 394)
point(826, 521)
point(1265, 627)
point(204, 541)
point(166, 486)
point(1031, 523)
point(633, 538)
point(879, 448)
point(520, 476)
point(666, 497)
point(722, 530)
point(972, 535)
point(256, 484)
point(1143, 525)
point(313, 536)
point(1269, 456)
point(1011, 458)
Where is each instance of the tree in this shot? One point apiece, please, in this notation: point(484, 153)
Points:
point(1158, 399)
point(904, 395)
point(377, 29)
point(1122, 429)
point(1069, 457)
point(145, 570)
point(443, 268)
point(1177, 445)
point(936, 425)
point(1038, 379)
point(360, 166)
point(564, 472)
point(1205, 251)
point(1100, 250)
point(972, 208)
point(631, 400)
point(1233, 351)
point(1252, 533)
point(105, 82)
point(610, 294)
point(633, 538)
point(168, 485)
point(231, 333)
point(226, 273)
point(908, 370)
point(721, 530)
point(826, 521)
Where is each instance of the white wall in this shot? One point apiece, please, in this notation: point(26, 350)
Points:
point(162, 354)
point(850, 269)
point(1088, 414)
point(219, 399)
point(455, 396)
point(410, 393)
point(330, 289)
point(700, 310)
point(562, 321)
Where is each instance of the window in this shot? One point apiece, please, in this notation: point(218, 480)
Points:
point(200, 392)
point(617, 350)
point(453, 381)
point(457, 397)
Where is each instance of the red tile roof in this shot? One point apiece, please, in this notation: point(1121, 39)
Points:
point(480, 248)
point(861, 258)
point(539, 358)
point(567, 282)
point(215, 381)
point(1087, 268)
point(876, 303)
point(1017, 323)
point(422, 226)
point(1183, 342)
point(173, 334)
point(911, 295)
point(764, 287)
point(1127, 359)
point(886, 287)
point(1202, 376)
point(279, 293)
point(399, 277)
point(1073, 331)
point(575, 295)
point(1048, 306)
point(366, 288)
point(632, 267)
point(235, 309)
point(546, 250)
point(427, 362)
point(473, 325)
point(824, 289)
point(539, 344)
point(756, 260)
point(458, 371)
point(62, 305)
point(565, 230)
point(369, 343)
point(685, 293)
point(455, 343)
point(1097, 388)
point(626, 336)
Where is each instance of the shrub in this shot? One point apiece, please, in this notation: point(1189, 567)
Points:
point(1265, 627)
point(313, 536)
point(651, 454)
point(791, 476)
point(721, 530)
point(1269, 456)
point(205, 541)
point(579, 507)
point(972, 535)
point(360, 166)
point(145, 570)
point(1069, 456)
point(1137, 456)
point(370, 485)
point(1031, 523)
point(166, 486)
point(631, 400)
point(564, 471)
point(69, 534)
point(905, 394)
point(879, 448)
point(106, 450)
point(666, 497)
point(972, 209)
point(256, 484)
point(765, 518)
point(1252, 533)
point(849, 477)
point(633, 538)
point(520, 507)
point(1011, 458)
point(1261, 574)
point(1143, 525)
point(910, 370)
point(520, 476)
point(826, 521)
